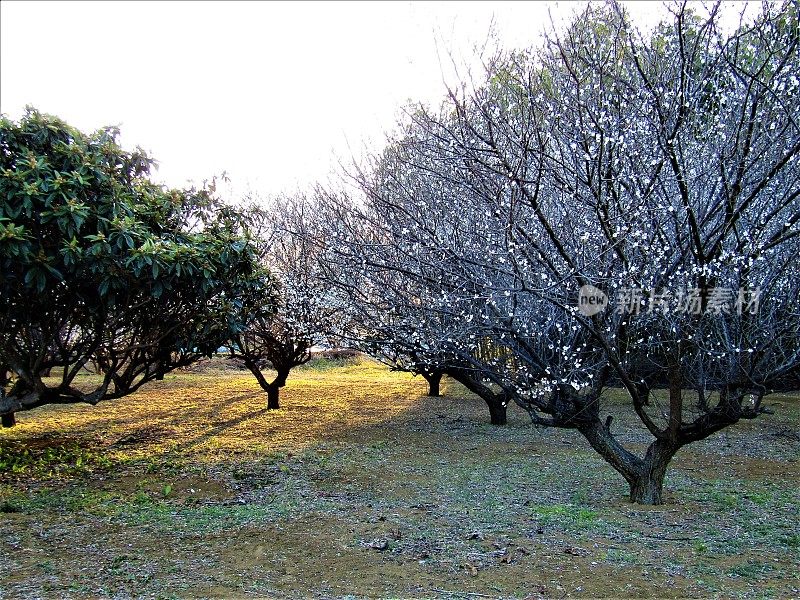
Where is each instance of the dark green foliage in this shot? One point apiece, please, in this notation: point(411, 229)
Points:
point(98, 264)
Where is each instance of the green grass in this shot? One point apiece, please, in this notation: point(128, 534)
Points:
point(61, 459)
point(751, 570)
point(621, 557)
point(192, 488)
point(323, 364)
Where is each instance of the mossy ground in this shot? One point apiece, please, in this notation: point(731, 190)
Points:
point(361, 486)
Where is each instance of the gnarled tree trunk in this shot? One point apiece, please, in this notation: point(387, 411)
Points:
point(645, 476)
point(497, 412)
point(272, 388)
point(496, 401)
point(273, 391)
point(648, 485)
point(434, 380)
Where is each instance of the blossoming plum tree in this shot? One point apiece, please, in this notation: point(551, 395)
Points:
point(661, 170)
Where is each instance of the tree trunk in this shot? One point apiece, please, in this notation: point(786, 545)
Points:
point(497, 412)
point(433, 379)
point(495, 401)
point(273, 392)
point(648, 489)
point(644, 476)
point(9, 419)
point(273, 389)
point(648, 485)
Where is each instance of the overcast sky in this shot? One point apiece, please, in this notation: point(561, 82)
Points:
point(270, 92)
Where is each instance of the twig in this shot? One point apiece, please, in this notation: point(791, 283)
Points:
point(668, 538)
point(451, 593)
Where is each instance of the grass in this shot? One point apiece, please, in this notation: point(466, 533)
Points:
point(57, 459)
point(360, 486)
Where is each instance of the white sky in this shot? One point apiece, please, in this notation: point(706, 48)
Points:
point(270, 92)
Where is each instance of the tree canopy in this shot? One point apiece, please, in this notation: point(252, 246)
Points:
point(659, 171)
point(100, 266)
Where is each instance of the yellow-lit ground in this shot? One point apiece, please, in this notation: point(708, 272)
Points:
point(360, 485)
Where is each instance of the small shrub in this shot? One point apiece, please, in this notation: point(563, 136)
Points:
point(9, 506)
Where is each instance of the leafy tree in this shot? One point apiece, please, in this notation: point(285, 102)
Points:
point(101, 266)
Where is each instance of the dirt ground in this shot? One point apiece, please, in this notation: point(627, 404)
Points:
point(360, 486)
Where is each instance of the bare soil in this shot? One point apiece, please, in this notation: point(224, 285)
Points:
point(360, 486)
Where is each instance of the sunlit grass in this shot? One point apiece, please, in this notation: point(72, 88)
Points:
point(215, 415)
point(358, 453)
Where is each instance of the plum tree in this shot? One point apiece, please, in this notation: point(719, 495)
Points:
point(283, 334)
point(658, 172)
